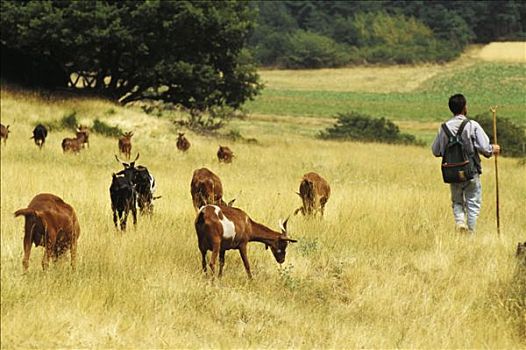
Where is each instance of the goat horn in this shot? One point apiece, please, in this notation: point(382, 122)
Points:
point(136, 157)
point(118, 160)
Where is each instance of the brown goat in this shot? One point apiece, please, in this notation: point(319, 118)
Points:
point(206, 188)
point(225, 154)
point(220, 228)
point(182, 143)
point(85, 132)
point(73, 145)
point(52, 224)
point(125, 144)
point(4, 133)
point(314, 192)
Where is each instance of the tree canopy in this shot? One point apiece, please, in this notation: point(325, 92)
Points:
point(184, 52)
point(380, 31)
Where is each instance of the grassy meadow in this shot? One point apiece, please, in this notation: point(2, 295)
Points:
point(384, 268)
point(415, 97)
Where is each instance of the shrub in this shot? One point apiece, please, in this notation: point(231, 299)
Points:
point(67, 122)
point(102, 128)
point(235, 135)
point(384, 38)
point(511, 137)
point(311, 50)
point(209, 121)
point(359, 127)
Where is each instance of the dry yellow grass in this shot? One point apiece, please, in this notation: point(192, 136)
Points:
point(357, 79)
point(385, 79)
point(504, 52)
point(384, 268)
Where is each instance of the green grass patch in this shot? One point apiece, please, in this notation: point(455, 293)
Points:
point(102, 128)
point(68, 122)
point(484, 85)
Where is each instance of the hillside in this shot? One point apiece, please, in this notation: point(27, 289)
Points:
point(383, 269)
point(414, 96)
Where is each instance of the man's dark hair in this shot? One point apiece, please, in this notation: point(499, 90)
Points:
point(457, 103)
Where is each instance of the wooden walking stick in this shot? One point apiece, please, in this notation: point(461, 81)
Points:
point(494, 111)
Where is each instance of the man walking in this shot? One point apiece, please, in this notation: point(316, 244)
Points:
point(466, 196)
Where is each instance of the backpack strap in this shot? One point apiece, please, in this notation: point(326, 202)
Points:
point(447, 131)
point(461, 127)
point(459, 132)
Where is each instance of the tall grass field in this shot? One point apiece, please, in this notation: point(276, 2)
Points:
point(383, 269)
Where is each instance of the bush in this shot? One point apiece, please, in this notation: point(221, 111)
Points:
point(209, 121)
point(311, 50)
point(359, 127)
point(384, 38)
point(511, 137)
point(67, 122)
point(102, 128)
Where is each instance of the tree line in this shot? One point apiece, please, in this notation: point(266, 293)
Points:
point(204, 54)
point(313, 34)
point(189, 53)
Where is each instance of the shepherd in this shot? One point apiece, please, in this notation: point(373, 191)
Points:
point(459, 142)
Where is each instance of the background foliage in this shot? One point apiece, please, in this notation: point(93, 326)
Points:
point(357, 127)
point(189, 53)
point(511, 137)
point(385, 31)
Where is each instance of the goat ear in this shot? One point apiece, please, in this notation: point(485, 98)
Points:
point(299, 194)
point(231, 203)
point(288, 239)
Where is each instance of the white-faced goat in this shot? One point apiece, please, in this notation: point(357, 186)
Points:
point(222, 228)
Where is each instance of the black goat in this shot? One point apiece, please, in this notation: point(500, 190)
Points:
point(144, 183)
point(123, 199)
point(39, 135)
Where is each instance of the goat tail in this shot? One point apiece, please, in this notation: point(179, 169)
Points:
point(25, 212)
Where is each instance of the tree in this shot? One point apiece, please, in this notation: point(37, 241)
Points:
point(184, 52)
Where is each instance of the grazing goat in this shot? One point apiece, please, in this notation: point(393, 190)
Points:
point(52, 224)
point(81, 129)
point(144, 183)
point(225, 154)
point(314, 192)
point(4, 133)
point(39, 135)
point(73, 145)
point(125, 145)
point(123, 199)
point(206, 188)
point(182, 143)
point(220, 228)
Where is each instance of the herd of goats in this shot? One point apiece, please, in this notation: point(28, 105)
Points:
point(52, 223)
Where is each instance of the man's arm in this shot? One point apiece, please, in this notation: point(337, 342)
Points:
point(481, 142)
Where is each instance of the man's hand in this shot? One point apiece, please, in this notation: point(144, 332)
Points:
point(496, 149)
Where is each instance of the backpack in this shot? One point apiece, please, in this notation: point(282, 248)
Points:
point(457, 165)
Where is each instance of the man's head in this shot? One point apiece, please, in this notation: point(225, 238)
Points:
point(457, 104)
